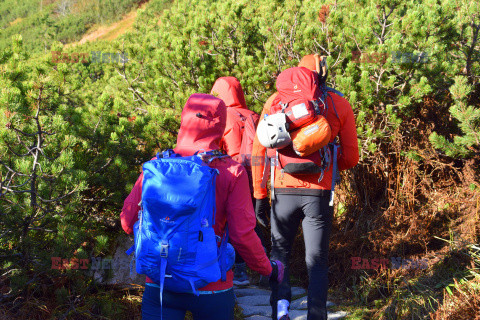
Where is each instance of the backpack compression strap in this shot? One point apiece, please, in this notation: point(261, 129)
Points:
point(169, 153)
point(223, 256)
point(163, 268)
point(266, 164)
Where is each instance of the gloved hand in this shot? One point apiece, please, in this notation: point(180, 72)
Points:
point(278, 270)
point(262, 211)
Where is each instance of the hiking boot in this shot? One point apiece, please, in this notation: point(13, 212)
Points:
point(240, 277)
point(285, 317)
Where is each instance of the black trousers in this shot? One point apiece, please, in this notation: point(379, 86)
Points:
point(288, 210)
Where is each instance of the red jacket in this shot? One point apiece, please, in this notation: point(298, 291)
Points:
point(230, 91)
point(342, 126)
point(233, 200)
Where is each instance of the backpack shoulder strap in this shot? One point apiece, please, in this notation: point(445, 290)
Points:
point(334, 91)
point(333, 104)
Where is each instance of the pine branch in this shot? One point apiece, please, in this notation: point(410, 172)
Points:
point(384, 25)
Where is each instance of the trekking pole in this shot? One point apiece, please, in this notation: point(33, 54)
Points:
point(321, 67)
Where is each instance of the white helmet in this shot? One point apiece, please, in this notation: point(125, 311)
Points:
point(272, 131)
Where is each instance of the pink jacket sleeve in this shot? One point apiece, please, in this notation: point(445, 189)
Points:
point(241, 221)
point(130, 209)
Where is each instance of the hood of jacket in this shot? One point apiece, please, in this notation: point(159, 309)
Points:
point(230, 91)
point(308, 62)
point(202, 124)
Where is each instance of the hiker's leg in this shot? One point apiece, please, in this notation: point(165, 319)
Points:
point(317, 226)
point(285, 218)
point(215, 306)
point(173, 305)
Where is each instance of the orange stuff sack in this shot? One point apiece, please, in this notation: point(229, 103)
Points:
point(312, 137)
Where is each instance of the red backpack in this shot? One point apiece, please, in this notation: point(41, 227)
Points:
point(304, 100)
point(298, 95)
point(247, 122)
point(248, 135)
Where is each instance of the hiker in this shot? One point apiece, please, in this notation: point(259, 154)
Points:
point(202, 125)
point(237, 142)
point(230, 91)
point(303, 198)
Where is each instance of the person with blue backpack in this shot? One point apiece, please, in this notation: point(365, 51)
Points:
point(182, 210)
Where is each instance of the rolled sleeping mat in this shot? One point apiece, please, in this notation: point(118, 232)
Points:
point(312, 137)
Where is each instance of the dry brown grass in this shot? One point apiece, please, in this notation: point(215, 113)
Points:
point(463, 303)
point(14, 22)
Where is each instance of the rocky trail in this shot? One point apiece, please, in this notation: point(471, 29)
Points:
point(255, 303)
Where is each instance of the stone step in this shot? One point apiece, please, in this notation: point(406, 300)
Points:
point(297, 291)
point(255, 304)
point(258, 318)
point(301, 303)
point(255, 300)
point(302, 315)
point(297, 315)
point(255, 291)
point(248, 310)
point(250, 291)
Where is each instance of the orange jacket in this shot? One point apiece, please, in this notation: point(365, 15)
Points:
point(343, 127)
point(230, 91)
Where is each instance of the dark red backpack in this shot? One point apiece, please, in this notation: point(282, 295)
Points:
point(298, 96)
point(248, 121)
point(248, 135)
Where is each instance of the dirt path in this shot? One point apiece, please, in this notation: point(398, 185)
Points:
point(112, 31)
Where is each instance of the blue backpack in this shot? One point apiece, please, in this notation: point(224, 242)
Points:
point(175, 244)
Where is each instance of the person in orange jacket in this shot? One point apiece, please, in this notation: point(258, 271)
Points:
point(304, 197)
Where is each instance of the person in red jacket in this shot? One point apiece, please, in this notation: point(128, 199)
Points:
point(202, 125)
point(230, 91)
point(302, 198)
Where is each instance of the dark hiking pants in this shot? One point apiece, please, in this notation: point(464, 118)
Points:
point(213, 306)
point(288, 210)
